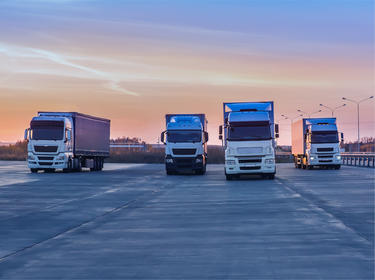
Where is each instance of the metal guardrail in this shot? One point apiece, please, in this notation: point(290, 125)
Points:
point(359, 159)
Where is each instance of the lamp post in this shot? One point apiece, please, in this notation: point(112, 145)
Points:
point(332, 109)
point(291, 119)
point(309, 114)
point(358, 102)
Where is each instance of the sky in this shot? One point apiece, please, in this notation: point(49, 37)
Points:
point(133, 61)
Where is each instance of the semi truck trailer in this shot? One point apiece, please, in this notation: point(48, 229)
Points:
point(315, 142)
point(249, 139)
point(185, 142)
point(67, 141)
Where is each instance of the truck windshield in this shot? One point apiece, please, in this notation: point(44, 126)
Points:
point(324, 137)
point(179, 136)
point(244, 133)
point(47, 130)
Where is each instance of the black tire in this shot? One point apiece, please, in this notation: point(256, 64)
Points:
point(271, 176)
point(96, 165)
point(49, 170)
point(338, 166)
point(229, 177)
point(202, 171)
point(34, 170)
point(169, 172)
point(310, 167)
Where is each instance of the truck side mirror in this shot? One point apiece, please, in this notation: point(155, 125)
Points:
point(277, 135)
point(220, 137)
point(205, 136)
point(162, 136)
point(342, 137)
point(220, 129)
point(277, 129)
point(26, 135)
point(68, 135)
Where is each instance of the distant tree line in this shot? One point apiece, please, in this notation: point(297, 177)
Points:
point(155, 154)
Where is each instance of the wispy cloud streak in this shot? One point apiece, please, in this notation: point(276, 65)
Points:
point(24, 52)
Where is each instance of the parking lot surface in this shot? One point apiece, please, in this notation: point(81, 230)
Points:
point(131, 221)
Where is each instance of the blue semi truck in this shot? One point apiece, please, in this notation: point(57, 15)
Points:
point(185, 140)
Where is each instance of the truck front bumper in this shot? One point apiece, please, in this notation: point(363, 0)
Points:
point(324, 159)
point(44, 161)
point(234, 165)
point(178, 164)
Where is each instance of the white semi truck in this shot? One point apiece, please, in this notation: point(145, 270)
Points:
point(315, 142)
point(68, 141)
point(186, 143)
point(249, 139)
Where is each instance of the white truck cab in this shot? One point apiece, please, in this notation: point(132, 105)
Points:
point(249, 139)
point(185, 143)
point(315, 142)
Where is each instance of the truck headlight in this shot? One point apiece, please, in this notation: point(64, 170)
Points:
point(230, 151)
point(338, 157)
point(268, 150)
point(31, 157)
point(270, 161)
point(230, 162)
point(169, 160)
point(198, 160)
point(312, 158)
point(60, 157)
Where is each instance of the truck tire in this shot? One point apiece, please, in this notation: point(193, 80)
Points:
point(202, 171)
point(310, 167)
point(271, 176)
point(229, 177)
point(338, 166)
point(49, 170)
point(34, 170)
point(169, 172)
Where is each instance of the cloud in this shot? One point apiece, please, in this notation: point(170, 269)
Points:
point(60, 59)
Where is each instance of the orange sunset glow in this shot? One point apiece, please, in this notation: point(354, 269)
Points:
point(133, 64)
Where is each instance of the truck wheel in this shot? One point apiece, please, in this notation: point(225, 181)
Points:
point(96, 165)
point(202, 171)
point(49, 170)
point(310, 167)
point(169, 172)
point(229, 177)
point(34, 170)
point(338, 166)
point(271, 176)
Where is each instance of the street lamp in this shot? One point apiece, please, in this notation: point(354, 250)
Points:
point(291, 119)
point(332, 109)
point(309, 114)
point(358, 102)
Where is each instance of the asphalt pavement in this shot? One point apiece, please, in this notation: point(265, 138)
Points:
point(131, 221)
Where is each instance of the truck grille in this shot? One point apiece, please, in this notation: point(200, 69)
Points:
point(45, 149)
point(325, 156)
point(254, 160)
point(249, 167)
point(249, 150)
point(184, 151)
point(45, 163)
point(325, 149)
point(184, 162)
point(45, 158)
